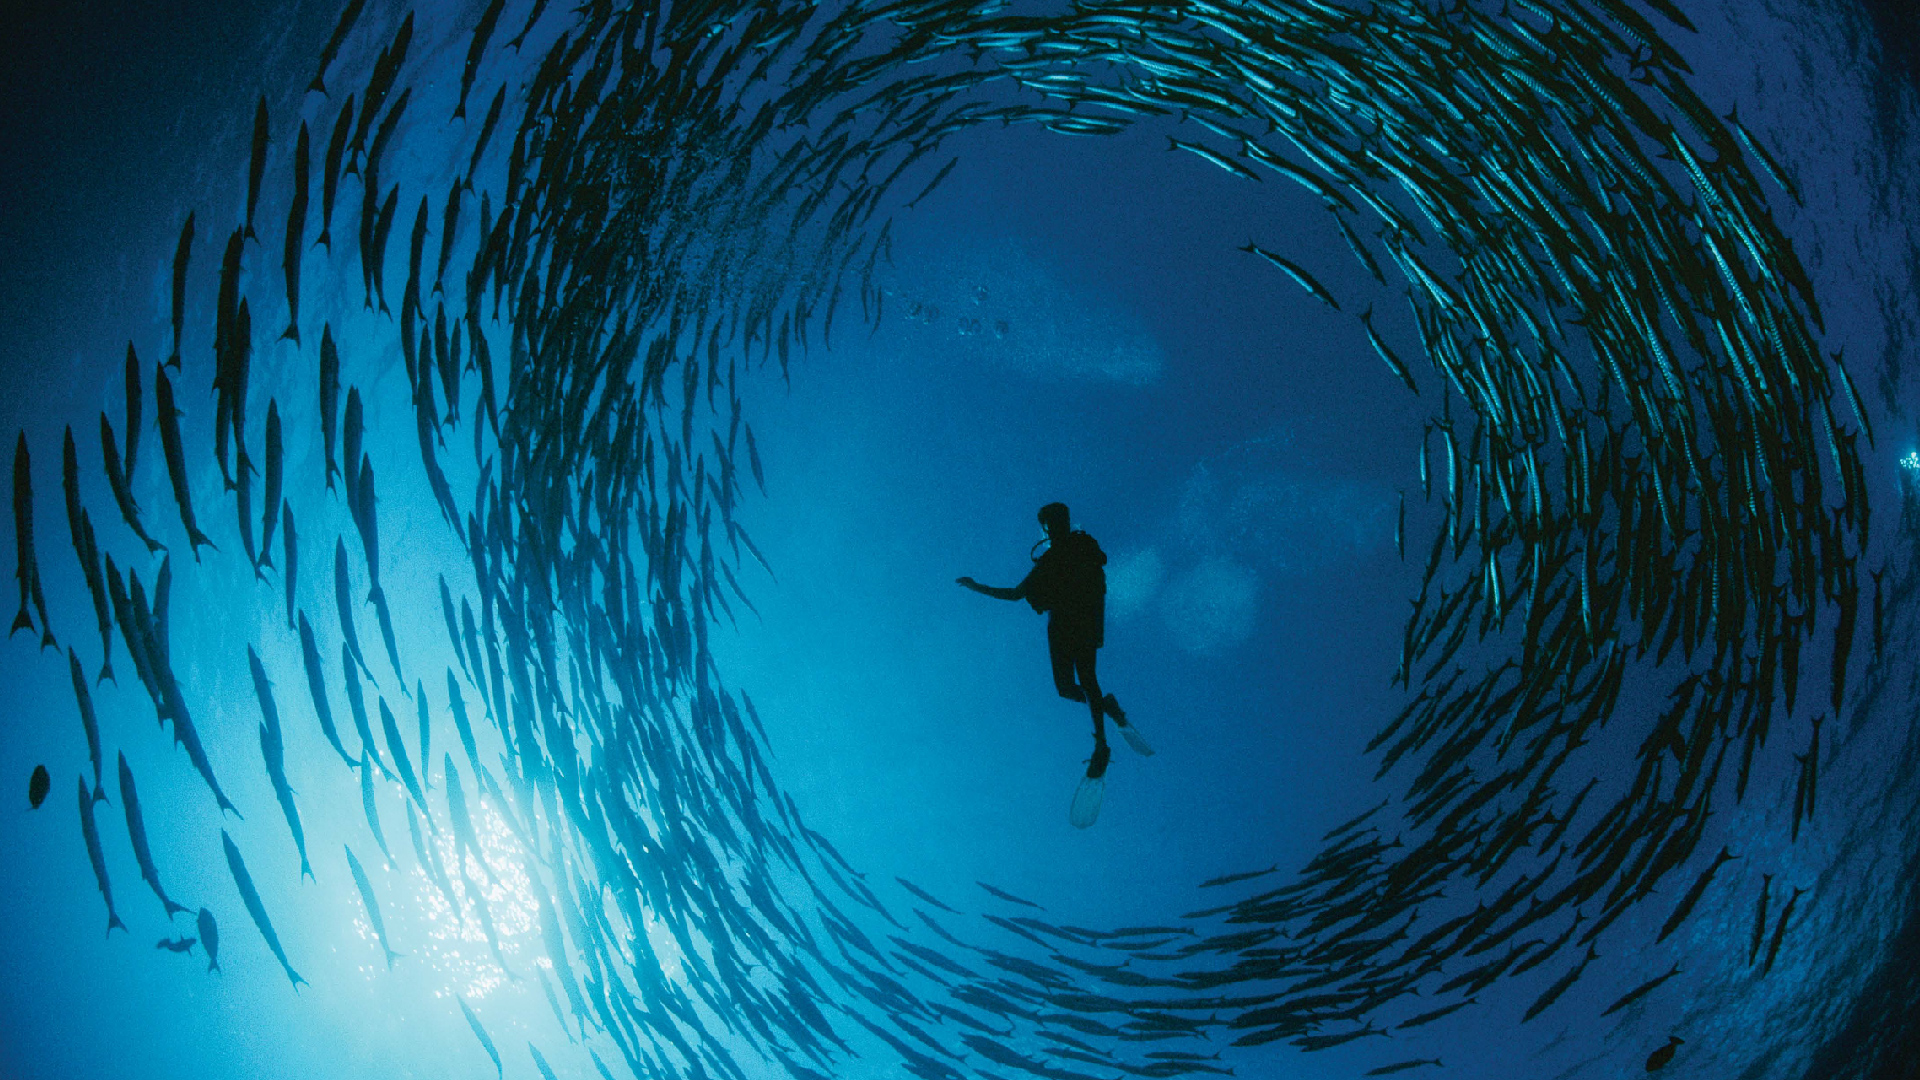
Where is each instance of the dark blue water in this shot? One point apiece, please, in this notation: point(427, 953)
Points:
point(1063, 319)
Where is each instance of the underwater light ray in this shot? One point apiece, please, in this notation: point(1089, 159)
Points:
point(1638, 450)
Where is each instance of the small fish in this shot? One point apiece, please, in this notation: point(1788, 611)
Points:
point(257, 167)
point(1559, 987)
point(481, 1033)
point(1640, 991)
point(546, 1071)
point(475, 51)
point(357, 701)
point(532, 18)
point(37, 786)
point(1659, 1058)
point(398, 750)
point(1394, 363)
point(385, 618)
point(243, 505)
point(1780, 930)
point(88, 720)
point(1759, 920)
point(251, 897)
point(373, 907)
point(1004, 895)
point(449, 218)
point(182, 254)
point(137, 832)
point(317, 687)
point(290, 554)
point(1209, 154)
point(272, 480)
point(332, 48)
point(27, 567)
point(460, 723)
point(1293, 270)
point(133, 407)
point(1229, 879)
point(176, 945)
point(1403, 1066)
point(368, 525)
point(330, 173)
point(382, 229)
point(273, 752)
point(169, 420)
point(426, 734)
point(117, 481)
point(934, 183)
point(352, 429)
point(372, 811)
point(209, 938)
point(486, 134)
point(94, 855)
point(343, 602)
point(1693, 894)
point(296, 235)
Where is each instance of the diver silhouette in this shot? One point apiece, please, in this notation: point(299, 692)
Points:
point(1068, 582)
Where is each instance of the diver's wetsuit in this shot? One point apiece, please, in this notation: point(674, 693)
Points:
point(1069, 582)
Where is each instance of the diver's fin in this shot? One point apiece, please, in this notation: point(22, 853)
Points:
point(1134, 739)
point(1086, 801)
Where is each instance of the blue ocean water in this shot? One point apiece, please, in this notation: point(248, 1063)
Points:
point(1063, 318)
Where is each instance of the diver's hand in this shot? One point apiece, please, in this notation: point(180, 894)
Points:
point(967, 582)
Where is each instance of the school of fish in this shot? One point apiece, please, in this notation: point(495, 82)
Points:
point(1638, 450)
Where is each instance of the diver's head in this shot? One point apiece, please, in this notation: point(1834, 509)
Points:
point(1053, 518)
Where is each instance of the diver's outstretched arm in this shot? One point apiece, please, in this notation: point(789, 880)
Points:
point(1018, 592)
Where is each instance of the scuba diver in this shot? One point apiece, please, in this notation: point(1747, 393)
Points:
point(1069, 583)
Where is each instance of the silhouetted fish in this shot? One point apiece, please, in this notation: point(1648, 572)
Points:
point(332, 47)
point(251, 897)
point(209, 938)
point(182, 253)
point(257, 168)
point(37, 786)
point(271, 481)
point(481, 1034)
point(168, 418)
point(1659, 1058)
point(295, 244)
point(137, 832)
point(373, 907)
point(96, 857)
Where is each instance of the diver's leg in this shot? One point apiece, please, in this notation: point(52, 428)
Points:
point(1060, 652)
point(1084, 663)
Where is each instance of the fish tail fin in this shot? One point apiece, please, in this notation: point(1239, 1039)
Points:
point(46, 638)
point(460, 110)
point(325, 240)
point(113, 922)
point(384, 309)
point(212, 965)
point(22, 621)
point(173, 908)
point(317, 87)
point(99, 793)
point(307, 871)
point(291, 333)
point(173, 359)
point(250, 234)
point(298, 982)
point(226, 805)
point(196, 538)
point(106, 672)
